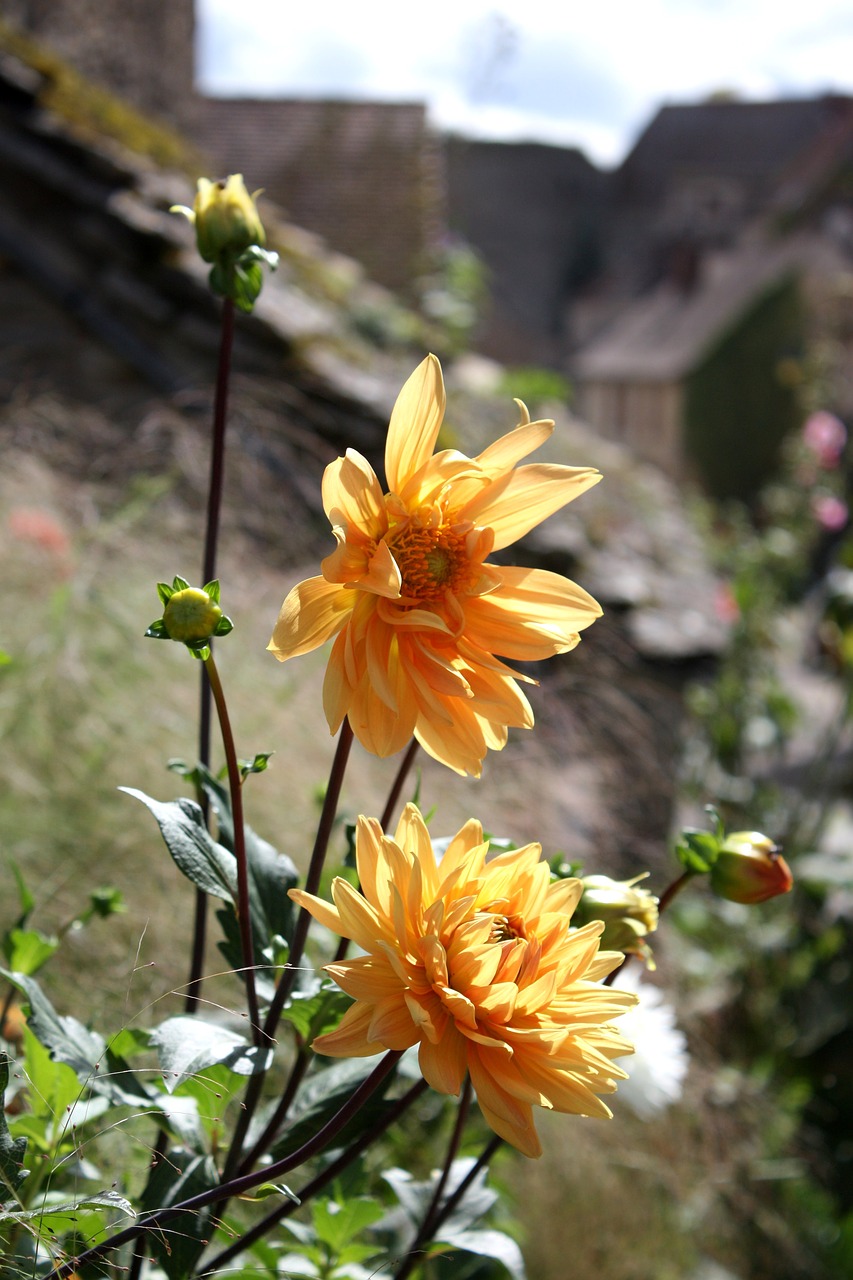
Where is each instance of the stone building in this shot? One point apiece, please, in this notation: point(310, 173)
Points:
point(142, 50)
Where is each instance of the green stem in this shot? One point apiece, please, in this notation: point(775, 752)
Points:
point(235, 786)
point(156, 1220)
point(211, 539)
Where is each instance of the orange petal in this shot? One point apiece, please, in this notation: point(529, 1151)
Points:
point(312, 613)
point(504, 453)
point(533, 614)
point(349, 1039)
point(352, 495)
point(529, 496)
point(415, 423)
point(444, 1064)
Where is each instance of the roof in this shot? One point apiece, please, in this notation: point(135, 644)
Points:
point(753, 141)
point(663, 335)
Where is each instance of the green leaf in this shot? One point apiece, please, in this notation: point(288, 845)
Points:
point(187, 1045)
point(53, 1216)
point(314, 1012)
point(157, 631)
point(697, 850)
point(165, 592)
point(207, 864)
point(183, 1174)
point(338, 1224)
point(246, 283)
point(12, 1150)
point(26, 950)
point(258, 765)
point(94, 1062)
point(213, 590)
point(25, 898)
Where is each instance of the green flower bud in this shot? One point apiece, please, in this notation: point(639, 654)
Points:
point(749, 868)
point(629, 913)
point(226, 218)
point(191, 616)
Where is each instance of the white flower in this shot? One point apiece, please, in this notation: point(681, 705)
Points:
point(657, 1068)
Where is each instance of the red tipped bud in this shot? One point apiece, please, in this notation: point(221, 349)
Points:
point(749, 868)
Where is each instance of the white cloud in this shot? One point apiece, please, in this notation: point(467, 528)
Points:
point(576, 73)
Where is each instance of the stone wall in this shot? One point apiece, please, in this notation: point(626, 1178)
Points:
point(141, 50)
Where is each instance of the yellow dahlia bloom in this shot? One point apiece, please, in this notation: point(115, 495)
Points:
point(418, 611)
point(475, 962)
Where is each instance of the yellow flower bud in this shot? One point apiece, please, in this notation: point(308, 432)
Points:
point(226, 218)
point(628, 913)
point(749, 868)
point(191, 616)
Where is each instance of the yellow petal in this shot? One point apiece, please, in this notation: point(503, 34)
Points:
point(352, 495)
point(528, 496)
point(322, 911)
point(444, 1064)
point(415, 424)
point(515, 445)
point(312, 613)
point(533, 614)
point(349, 1039)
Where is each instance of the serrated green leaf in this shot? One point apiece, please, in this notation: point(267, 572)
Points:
point(207, 864)
point(187, 1045)
point(12, 1150)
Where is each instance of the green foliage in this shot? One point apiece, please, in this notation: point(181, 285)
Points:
point(536, 386)
point(739, 406)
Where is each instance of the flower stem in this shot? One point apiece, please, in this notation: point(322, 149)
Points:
point(312, 879)
point(304, 1194)
point(415, 1254)
point(300, 933)
point(426, 1228)
point(237, 1186)
point(236, 788)
point(211, 538)
point(397, 785)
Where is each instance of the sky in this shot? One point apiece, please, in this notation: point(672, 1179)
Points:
point(586, 73)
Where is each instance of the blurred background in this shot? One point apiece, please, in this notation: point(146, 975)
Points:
point(640, 221)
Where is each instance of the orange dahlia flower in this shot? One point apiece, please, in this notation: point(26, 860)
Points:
point(418, 612)
point(475, 962)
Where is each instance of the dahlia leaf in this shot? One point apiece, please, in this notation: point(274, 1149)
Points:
point(207, 864)
point(187, 1045)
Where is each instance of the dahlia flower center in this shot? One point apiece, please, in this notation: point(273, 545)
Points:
point(505, 928)
point(432, 561)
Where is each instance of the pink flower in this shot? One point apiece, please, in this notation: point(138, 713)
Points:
point(830, 512)
point(825, 436)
